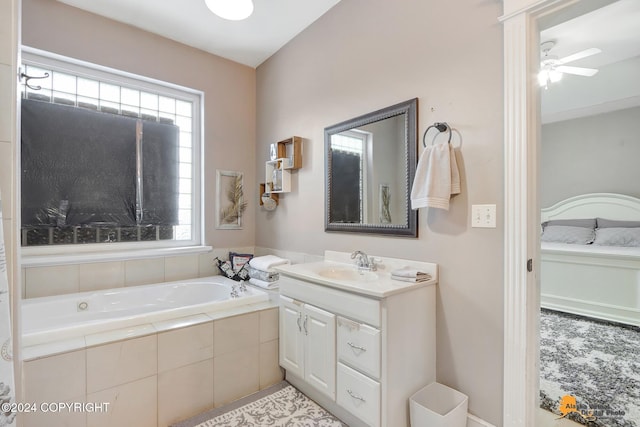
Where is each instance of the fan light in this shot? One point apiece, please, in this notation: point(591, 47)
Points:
point(548, 75)
point(233, 10)
point(552, 68)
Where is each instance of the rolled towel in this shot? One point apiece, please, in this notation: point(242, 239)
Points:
point(267, 262)
point(412, 279)
point(263, 275)
point(409, 272)
point(263, 284)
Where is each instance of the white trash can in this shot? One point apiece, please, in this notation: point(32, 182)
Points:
point(437, 405)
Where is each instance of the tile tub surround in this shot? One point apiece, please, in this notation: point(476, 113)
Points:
point(160, 378)
point(40, 281)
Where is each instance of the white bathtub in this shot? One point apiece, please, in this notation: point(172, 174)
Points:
point(49, 319)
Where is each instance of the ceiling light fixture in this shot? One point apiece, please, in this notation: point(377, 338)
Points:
point(233, 10)
point(552, 68)
point(548, 75)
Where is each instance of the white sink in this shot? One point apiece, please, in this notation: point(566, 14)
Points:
point(338, 270)
point(348, 274)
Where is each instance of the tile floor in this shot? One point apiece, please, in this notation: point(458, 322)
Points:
point(549, 419)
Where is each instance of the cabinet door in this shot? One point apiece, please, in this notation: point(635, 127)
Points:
point(319, 327)
point(291, 337)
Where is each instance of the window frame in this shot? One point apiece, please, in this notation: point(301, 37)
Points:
point(37, 255)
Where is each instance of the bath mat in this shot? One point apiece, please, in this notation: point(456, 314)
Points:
point(279, 405)
point(590, 370)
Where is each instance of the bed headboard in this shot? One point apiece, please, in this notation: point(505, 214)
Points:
point(594, 205)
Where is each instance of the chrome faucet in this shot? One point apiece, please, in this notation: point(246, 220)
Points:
point(363, 262)
point(234, 291)
point(242, 286)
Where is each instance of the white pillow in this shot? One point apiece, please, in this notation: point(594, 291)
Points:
point(617, 236)
point(568, 234)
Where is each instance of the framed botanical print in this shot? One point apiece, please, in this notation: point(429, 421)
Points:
point(230, 200)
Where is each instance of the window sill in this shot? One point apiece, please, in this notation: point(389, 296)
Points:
point(105, 256)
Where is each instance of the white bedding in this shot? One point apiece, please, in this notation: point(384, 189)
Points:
point(592, 280)
point(596, 250)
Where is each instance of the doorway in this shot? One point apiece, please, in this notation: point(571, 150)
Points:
point(588, 136)
point(521, 21)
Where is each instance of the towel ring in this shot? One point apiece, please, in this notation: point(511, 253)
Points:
point(441, 126)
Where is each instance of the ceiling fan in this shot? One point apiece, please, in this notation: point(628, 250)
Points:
point(552, 68)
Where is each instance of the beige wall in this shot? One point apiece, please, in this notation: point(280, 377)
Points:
point(365, 55)
point(590, 155)
point(229, 89)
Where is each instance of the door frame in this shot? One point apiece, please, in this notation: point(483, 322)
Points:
point(521, 207)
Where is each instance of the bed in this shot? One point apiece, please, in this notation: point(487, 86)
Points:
point(600, 279)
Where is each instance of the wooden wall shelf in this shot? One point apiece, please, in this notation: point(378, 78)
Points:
point(291, 149)
point(278, 171)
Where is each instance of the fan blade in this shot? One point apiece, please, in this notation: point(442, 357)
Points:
point(579, 71)
point(578, 55)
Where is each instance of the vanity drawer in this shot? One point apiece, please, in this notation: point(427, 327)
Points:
point(364, 309)
point(358, 394)
point(358, 346)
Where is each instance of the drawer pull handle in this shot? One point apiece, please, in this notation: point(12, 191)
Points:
point(356, 347)
point(298, 321)
point(355, 396)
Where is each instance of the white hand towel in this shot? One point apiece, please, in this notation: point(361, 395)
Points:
point(455, 172)
point(412, 279)
point(267, 262)
point(263, 284)
point(437, 178)
point(409, 272)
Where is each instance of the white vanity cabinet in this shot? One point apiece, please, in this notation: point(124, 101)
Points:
point(307, 344)
point(366, 354)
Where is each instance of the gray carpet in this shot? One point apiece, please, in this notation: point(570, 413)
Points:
point(280, 405)
point(595, 362)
